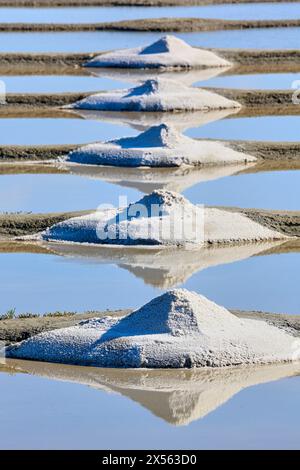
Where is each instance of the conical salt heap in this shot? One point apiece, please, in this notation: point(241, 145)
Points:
point(168, 52)
point(177, 329)
point(161, 218)
point(159, 146)
point(156, 95)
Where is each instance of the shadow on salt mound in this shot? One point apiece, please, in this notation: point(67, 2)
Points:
point(162, 268)
point(143, 179)
point(159, 146)
point(167, 52)
point(178, 329)
point(155, 96)
point(178, 397)
point(161, 218)
point(141, 121)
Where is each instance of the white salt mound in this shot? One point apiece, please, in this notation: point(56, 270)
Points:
point(156, 95)
point(159, 146)
point(167, 52)
point(178, 329)
point(161, 218)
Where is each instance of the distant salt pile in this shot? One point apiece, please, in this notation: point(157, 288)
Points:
point(157, 95)
point(178, 329)
point(160, 146)
point(167, 52)
point(155, 219)
point(161, 218)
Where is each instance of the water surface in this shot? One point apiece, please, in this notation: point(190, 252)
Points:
point(101, 14)
point(266, 81)
point(105, 81)
point(272, 38)
point(268, 283)
point(182, 415)
point(79, 131)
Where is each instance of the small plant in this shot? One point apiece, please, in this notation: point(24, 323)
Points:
point(59, 314)
point(9, 315)
point(28, 315)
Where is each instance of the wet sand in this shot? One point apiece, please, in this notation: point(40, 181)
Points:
point(15, 330)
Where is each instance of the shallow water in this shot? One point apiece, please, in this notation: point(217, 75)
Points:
point(101, 14)
point(48, 193)
point(66, 415)
point(272, 38)
point(271, 81)
point(79, 131)
point(64, 84)
point(268, 283)
point(59, 84)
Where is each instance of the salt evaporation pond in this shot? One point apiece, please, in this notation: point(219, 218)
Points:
point(270, 38)
point(271, 81)
point(56, 282)
point(268, 283)
point(176, 420)
point(256, 11)
point(48, 192)
point(60, 84)
point(79, 131)
point(64, 84)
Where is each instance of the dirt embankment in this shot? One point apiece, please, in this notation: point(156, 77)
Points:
point(244, 61)
point(254, 102)
point(15, 330)
point(20, 224)
point(145, 3)
point(163, 25)
point(284, 154)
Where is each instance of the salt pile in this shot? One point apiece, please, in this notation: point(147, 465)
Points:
point(177, 329)
point(162, 218)
point(159, 146)
point(167, 52)
point(156, 95)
